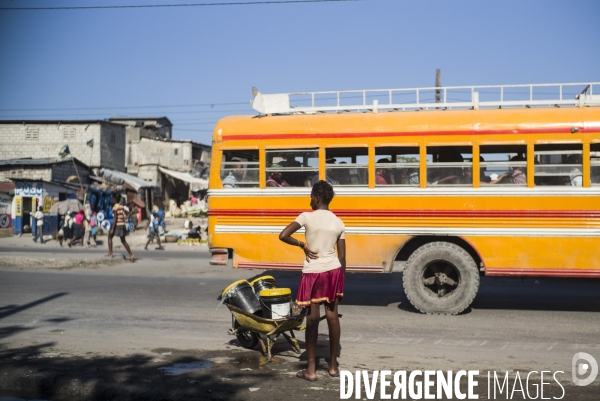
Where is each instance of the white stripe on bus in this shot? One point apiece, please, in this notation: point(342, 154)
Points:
point(413, 191)
point(413, 231)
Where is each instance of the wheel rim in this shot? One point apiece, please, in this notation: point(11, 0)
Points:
point(440, 279)
point(245, 336)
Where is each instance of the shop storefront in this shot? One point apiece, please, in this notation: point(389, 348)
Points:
point(29, 195)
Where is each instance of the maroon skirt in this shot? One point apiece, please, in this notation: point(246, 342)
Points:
point(317, 288)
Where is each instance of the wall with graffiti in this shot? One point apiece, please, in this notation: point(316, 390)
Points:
point(5, 210)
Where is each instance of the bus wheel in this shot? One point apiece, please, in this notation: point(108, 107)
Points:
point(441, 278)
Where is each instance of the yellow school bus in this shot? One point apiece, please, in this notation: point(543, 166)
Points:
point(442, 191)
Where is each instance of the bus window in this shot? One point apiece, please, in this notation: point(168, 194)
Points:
point(239, 169)
point(397, 166)
point(292, 167)
point(558, 164)
point(595, 163)
point(347, 166)
point(503, 164)
point(449, 165)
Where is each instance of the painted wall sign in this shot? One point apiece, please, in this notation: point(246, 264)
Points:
point(18, 206)
point(28, 189)
point(48, 203)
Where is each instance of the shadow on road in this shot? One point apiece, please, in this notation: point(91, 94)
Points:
point(12, 309)
point(512, 293)
point(12, 330)
point(34, 372)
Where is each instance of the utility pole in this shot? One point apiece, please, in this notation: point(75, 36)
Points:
point(438, 84)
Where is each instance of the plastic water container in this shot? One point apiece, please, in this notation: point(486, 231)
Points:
point(241, 295)
point(275, 303)
point(263, 283)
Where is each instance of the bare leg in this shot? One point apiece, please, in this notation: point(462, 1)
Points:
point(147, 243)
point(91, 239)
point(333, 322)
point(311, 336)
point(86, 238)
point(126, 245)
point(159, 243)
point(110, 245)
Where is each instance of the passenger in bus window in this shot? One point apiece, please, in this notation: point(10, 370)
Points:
point(235, 175)
point(410, 176)
point(449, 175)
point(276, 178)
point(329, 174)
point(516, 176)
point(575, 176)
point(381, 173)
point(483, 178)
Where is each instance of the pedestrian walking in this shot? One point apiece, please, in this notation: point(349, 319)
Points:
point(78, 228)
point(66, 228)
point(118, 228)
point(322, 280)
point(94, 224)
point(154, 230)
point(39, 225)
point(87, 237)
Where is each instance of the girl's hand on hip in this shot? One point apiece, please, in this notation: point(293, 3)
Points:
point(310, 254)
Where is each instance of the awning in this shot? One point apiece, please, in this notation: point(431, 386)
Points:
point(117, 177)
point(196, 184)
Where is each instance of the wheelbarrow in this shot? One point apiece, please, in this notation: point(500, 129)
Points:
point(248, 329)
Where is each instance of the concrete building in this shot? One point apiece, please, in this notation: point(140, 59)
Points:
point(96, 143)
point(138, 128)
point(145, 127)
point(150, 150)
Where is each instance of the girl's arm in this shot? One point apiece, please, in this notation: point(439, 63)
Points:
point(286, 236)
point(341, 250)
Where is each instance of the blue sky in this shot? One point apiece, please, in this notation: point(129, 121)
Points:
point(94, 64)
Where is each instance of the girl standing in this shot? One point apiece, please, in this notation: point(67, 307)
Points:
point(322, 280)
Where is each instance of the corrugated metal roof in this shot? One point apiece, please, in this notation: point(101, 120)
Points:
point(58, 122)
point(35, 162)
point(140, 119)
point(7, 187)
point(118, 177)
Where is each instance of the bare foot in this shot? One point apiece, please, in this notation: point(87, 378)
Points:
point(131, 258)
point(110, 255)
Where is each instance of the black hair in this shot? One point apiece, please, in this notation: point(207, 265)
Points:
point(323, 190)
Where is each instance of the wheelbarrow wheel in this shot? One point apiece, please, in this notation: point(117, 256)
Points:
point(247, 338)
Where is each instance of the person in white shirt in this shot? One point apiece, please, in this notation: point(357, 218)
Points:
point(322, 280)
point(154, 231)
point(39, 219)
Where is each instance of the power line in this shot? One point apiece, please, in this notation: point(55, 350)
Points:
point(132, 107)
point(64, 115)
point(250, 3)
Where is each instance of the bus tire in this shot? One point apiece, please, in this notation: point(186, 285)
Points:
point(441, 278)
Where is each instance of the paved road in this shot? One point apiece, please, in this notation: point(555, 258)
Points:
point(52, 250)
point(154, 308)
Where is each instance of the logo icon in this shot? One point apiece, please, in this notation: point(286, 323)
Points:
point(581, 368)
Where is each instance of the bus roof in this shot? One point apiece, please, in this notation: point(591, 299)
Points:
point(409, 123)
